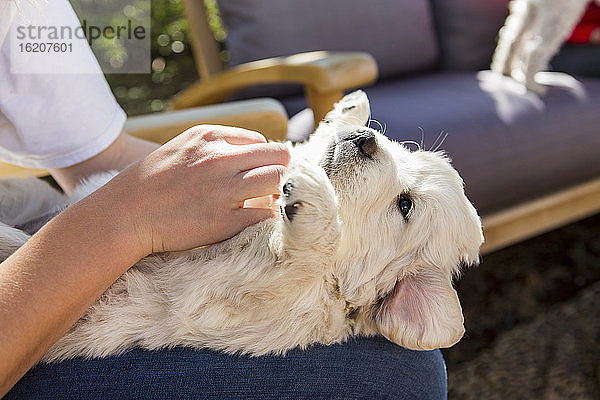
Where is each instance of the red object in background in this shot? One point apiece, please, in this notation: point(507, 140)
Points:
point(588, 29)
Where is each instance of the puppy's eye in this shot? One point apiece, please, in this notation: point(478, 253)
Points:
point(404, 205)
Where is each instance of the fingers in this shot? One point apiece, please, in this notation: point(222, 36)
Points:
point(232, 135)
point(248, 149)
point(261, 202)
point(260, 154)
point(251, 216)
point(261, 181)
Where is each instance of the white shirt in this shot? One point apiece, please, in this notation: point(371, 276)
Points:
point(52, 120)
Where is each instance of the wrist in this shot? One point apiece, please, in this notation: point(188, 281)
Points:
point(116, 219)
point(124, 151)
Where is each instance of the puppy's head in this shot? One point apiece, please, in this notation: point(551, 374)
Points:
point(407, 227)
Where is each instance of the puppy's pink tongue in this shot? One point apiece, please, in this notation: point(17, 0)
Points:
point(269, 201)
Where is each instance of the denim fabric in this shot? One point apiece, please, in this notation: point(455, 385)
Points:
point(365, 368)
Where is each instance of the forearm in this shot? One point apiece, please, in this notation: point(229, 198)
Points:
point(54, 278)
point(123, 151)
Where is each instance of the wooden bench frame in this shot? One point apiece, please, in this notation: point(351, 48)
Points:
point(540, 215)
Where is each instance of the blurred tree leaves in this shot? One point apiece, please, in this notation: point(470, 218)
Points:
point(172, 63)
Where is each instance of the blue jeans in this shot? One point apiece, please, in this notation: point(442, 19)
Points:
point(364, 368)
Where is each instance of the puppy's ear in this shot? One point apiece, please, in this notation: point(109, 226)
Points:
point(422, 312)
point(352, 109)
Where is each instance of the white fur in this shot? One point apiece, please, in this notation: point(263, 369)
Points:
point(532, 35)
point(347, 263)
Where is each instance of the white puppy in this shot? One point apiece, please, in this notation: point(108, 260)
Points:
point(533, 33)
point(369, 239)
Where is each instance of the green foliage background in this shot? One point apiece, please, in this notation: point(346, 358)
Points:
point(172, 61)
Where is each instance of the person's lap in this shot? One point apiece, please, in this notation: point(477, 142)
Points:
point(360, 368)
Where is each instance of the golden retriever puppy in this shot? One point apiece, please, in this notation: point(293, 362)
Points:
point(369, 239)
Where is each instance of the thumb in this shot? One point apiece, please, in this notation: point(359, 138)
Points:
point(251, 216)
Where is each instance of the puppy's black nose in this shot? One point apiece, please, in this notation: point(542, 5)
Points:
point(367, 146)
point(363, 139)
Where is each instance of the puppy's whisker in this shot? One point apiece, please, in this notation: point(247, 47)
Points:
point(434, 146)
point(422, 136)
point(403, 143)
point(381, 127)
point(441, 142)
point(435, 141)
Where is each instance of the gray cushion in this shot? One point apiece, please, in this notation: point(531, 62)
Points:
point(467, 31)
point(507, 147)
point(398, 34)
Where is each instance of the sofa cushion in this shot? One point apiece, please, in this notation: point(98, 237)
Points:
point(467, 31)
point(398, 34)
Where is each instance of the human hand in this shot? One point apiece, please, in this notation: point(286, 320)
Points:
point(190, 192)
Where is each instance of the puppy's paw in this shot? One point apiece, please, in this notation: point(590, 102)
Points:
point(307, 190)
point(290, 207)
point(307, 196)
point(536, 87)
point(309, 212)
point(351, 109)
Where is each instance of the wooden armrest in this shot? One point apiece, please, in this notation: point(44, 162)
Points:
point(325, 75)
point(264, 115)
point(21, 172)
